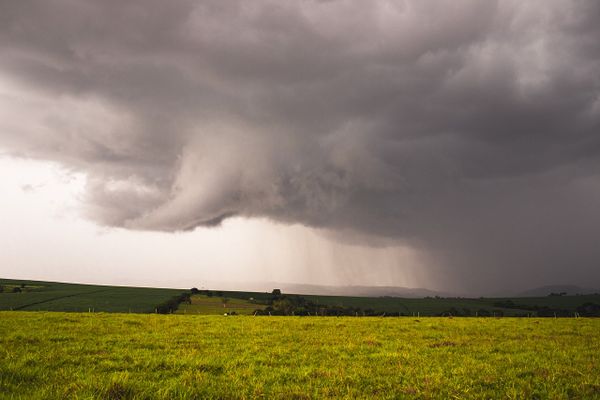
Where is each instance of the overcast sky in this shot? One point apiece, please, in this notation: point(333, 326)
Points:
point(448, 144)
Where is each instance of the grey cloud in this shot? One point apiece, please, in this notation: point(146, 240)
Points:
point(466, 128)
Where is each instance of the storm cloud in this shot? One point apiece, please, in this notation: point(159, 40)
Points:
point(467, 129)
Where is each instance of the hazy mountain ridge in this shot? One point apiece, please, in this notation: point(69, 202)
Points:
point(548, 289)
point(391, 291)
point(358, 291)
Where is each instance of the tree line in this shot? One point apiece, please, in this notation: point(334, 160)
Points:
point(278, 303)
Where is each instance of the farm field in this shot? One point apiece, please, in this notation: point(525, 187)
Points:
point(218, 306)
point(437, 306)
point(133, 356)
point(53, 296)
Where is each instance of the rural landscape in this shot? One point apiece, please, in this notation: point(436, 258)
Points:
point(20, 295)
point(302, 199)
point(117, 343)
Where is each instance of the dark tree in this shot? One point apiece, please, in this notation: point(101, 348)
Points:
point(17, 290)
point(194, 290)
point(171, 305)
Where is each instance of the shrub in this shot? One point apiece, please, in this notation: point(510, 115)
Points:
point(173, 303)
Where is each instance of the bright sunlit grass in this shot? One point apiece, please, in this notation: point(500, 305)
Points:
point(58, 355)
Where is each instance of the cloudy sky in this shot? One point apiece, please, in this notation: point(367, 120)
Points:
point(449, 144)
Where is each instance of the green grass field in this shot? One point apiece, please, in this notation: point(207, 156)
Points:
point(437, 306)
point(132, 356)
point(53, 296)
point(218, 306)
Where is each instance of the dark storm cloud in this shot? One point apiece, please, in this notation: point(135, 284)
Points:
point(467, 128)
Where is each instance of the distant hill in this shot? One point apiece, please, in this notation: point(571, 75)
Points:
point(358, 300)
point(546, 290)
point(359, 291)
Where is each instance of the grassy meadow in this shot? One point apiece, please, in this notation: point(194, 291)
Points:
point(437, 306)
point(218, 306)
point(134, 356)
point(54, 296)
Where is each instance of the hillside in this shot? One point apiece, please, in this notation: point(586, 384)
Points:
point(54, 296)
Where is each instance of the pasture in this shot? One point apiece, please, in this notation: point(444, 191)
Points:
point(134, 356)
point(54, 296)
point(218, 306)
point(465, 306)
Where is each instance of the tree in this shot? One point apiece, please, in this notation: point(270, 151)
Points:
point(224, 300)
point(284, 306)
point(194, 290)
point(1, 289)
point(171, 305)
point(17, 290)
